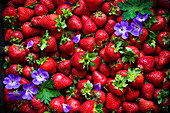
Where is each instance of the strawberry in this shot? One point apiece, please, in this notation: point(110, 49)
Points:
point(73, 1)
point(57, 104)
point(99, 78)
point(161, 95)
point(15, 69)
point(112, 102)
point(132, 94)
point(29, 2)
point(164, 57)
point(75, 104)
point(26, 71)
point(101, 37)
point(88, 26)
point(64, 10)
point(80, 85)
point(97, 62)
point(9, 11)
point(166, 85)
point(28, 30)
point(148, 90)
point(56, 34)
point(155, 77)
point(48, 3)
point(90, 106)
point(64, 67)
point(160, 24)
point(16, 37)
point(146, 63)
point(158, 49)
point(61, 81)
point(40, 10)
point(109, 26)
point(145, 105)
point(37, 103)
point(81, 9)
point(116, 65)
point(157, 63)
point(16, 53)
point(149, 48)
point(24, 81)
point(26, 108)
point(138, 81)
point(18, 1)
point(130, 107)
point(78, 73)
point(99, 18)
point(98, 96)
point(25, 14)
point(88, 44)
point(59, 2)
point(8, 33)
point(94, 4)
point(47, 64)
point(74, 23)
point(42, 110)
point(34, 21)
point(104, 69)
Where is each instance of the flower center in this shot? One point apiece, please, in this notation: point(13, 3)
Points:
point(40, 77)
point(123, 29)
point(13, 82)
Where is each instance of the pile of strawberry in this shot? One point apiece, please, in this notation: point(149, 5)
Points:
point(87, 56)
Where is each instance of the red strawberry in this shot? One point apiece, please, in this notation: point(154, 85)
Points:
point(16, 37)
point(99, 18)
point(74, 23)
point(158, 49)
point(67, 13)
point(36, 103)
point(146, 63)
point(164, 57)
point(24, 81)
point(97, 62)
point(112, 102)
point(8, 33)
point(28, 30)
point(18, 1)
point(81, 9)
point(26, 108)
point(132, 94)
point(59, 2)
point(109, 26)
point(88, 44)
point(101, 38)
point(26, 71)
point(94, 4)
point(47, 64)
point(116, 65)
point(34, 21)
point(16, 53)
point(9, 11)
point(160, 24)
point(90, 106)
point(149, 48)
point(73, 1)
point(15, 69)
point(130, 107)
point(138, 81)
point(48, 3)
point(42, 110)
point(64, 67)
point(57, 103)
point(78, 73)
point(61, 81)
point(40, 10)
point(98, 96)
point(145, 105)
point(88, 25)
point(75, 104)
point(148, 90)
point(104, 69)
point(163, 39)
point(80, 85)
point(99, 78)
point(25, 14)
point(166, 85)
point(30, 2)
point(155, 77)
point(56, 34)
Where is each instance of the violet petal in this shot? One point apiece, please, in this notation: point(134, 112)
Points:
point(66, 108)
point(30, 44)
point(97, 86)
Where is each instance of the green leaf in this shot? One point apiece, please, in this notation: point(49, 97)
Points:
point(19, 68)
point(43, 41)
point(162, 97)
point(60, 23)
point(66, 13)
point(7, 63)
point(32, 5)
point(42, 60)
point(92, 64)
point(87, 89)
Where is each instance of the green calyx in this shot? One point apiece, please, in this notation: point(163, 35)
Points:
point(64, 39)
point(117, 46)
point(87, 89)
point(113, 10)
point(32, 5)
point(60, 23)
point(10, 22)
point(71, 92)
point(162, 97)
point(98, 108)
point(120, 82)
point(30, 58)
point(118, 39)
point(20, 47)
point(75, 6)
point(98, 14)
point(43, 41)
point(129, 55)
point(166, 39)
point(151, 20)
point(6, 48)
point(96, 96)
point(132, 74)
point(42, 60)
point(66, 13)
point(7, 63)
point(87, 60)
point(15, 40)
point(168, 74)
point(19, 68)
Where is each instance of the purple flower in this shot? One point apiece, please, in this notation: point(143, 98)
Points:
point(39, 76)
point(12, 82)
point(66, 108)
point(97, 86)
point(29, 91)
point(68, 3)
point(76, 38)
point(122, 29)
point(30, 44)
point(15, 95)
point(141, 18)
point(136, 27)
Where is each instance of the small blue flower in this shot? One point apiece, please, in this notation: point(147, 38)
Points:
point(76, 38)
point(12, 81)
point(136, 27)
point(15, 95)
point(66, 108)
point(30, 44)
point(122, 29)
point(97, 86)
point(68, 3)
point(39, 76)
point(29, 91)
point(141, 18)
